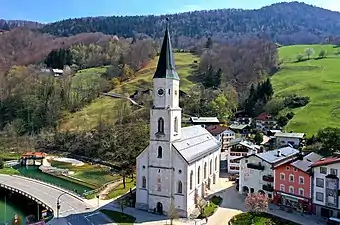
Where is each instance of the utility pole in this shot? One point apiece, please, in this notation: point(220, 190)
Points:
point(5, 210)
point(97, 200)
point(38, 212)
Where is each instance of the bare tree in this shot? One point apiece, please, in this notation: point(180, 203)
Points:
point(309, 52)
point(123, 203)
point(172, 213)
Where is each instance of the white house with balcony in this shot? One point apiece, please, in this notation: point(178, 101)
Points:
point(293, 139)
point(180, 164)
point(256, 170)
point(238, 149)
point(222, 134)
point(326, 187)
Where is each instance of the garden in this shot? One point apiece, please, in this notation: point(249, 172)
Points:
point(95, 175)
point(210, 207)
point(259, 218)
point(119, 217)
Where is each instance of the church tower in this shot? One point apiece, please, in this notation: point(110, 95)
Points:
point(165, 122)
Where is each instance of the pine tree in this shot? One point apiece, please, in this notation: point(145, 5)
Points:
point(209, 77)
point(5, 26)
point(209, 43)
point(218, 77)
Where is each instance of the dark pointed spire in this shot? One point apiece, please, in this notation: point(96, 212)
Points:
point(166, 63)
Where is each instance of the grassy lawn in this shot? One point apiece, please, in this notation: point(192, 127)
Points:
point(103, 108)
point(10, 155)
point(9, 171)
point(317, 79)
point(120, 190)
point(91, 174)
point(259, 219)
point(211, 208)
point(118, 217)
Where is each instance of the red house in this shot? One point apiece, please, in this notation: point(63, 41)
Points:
point(265, 122)
point(293, 183)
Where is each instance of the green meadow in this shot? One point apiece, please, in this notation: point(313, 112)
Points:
point(316, 78)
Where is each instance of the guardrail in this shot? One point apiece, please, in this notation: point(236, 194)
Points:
point(52, 184)
point(101, 188)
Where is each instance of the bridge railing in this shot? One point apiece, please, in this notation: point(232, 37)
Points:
point(53, 184)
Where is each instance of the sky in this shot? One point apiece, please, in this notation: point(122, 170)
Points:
point(49, 11)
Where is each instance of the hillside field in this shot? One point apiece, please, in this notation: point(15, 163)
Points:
point(318, 79)
point(103, 108)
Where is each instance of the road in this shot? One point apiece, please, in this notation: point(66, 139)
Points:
point(94, 218)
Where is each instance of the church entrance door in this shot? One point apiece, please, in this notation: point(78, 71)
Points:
point(159, 208)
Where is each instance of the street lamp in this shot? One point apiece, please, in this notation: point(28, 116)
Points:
point(58, 203)
point(97, 200)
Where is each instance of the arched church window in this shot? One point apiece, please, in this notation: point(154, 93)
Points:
point(191, 177)
point(198, 174)
point(144, 182)
point(176, 125)
point(161, 125)
point(210, 167)
point(160, 152)
point(205, 170)
point(216, 163)
point(179, 187)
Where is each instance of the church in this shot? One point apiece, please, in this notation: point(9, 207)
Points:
point(180, 164)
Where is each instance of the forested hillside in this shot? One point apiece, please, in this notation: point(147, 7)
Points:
point(10, 24)
point(286, 23)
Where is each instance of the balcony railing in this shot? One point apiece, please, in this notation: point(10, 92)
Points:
point(258, 166)
point(268, 178)
point(268, 187)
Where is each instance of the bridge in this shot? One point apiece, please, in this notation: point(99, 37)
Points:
point(72, 207)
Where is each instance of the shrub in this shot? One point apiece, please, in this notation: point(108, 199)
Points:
point(2, 163)
point(299, 58)
point(259, 218)
point(294, 101)
point(217, 200)
point(282, 121)
point(290, 115)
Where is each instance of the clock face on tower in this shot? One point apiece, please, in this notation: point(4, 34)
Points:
point(160, 92)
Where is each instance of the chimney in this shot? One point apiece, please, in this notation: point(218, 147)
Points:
point(278, 153)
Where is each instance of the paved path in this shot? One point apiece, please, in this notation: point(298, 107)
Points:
point(103, 194)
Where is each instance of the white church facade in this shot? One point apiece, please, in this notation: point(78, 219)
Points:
point(179, 164)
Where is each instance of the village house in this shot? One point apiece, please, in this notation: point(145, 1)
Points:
point(242, 129)
point(204, 121)
point(237, 149)
point(242, 118)
point(256, 170)
point(222, 134)
point(293, 183)
point(265, 122)
point(326, 186)
point(293, 139)
point(180, 164)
